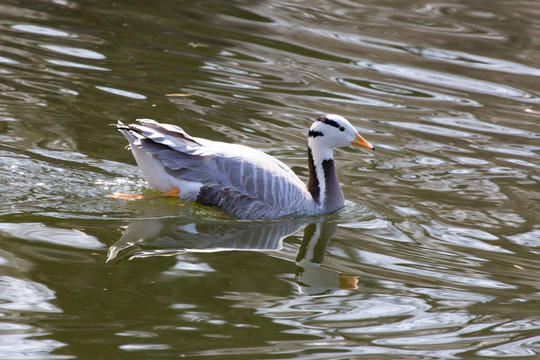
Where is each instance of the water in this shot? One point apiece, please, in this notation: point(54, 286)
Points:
point(436, 254)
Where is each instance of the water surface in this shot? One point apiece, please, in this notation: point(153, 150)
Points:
point(435, 255)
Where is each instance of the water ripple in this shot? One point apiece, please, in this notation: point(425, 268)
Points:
point(451, 81)
point(41, 30)
point(434, 255)
point(435, 130)
point(76, 65)
point(24, 295)
point(75, 52)
point(468, 121)
point(41, 233)
point(124, 93)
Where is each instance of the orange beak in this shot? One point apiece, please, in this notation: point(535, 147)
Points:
point(361, 142)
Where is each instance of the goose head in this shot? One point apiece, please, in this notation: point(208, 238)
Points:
point(330, 131)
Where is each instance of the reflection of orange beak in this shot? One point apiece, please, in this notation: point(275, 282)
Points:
point(348, 282)
point(361, 142)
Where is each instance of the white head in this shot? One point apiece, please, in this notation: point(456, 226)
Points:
point(331, 131)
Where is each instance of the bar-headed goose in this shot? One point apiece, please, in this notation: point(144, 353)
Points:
point(243, 181)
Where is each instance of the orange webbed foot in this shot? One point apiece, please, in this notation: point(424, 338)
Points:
point(124, 196)
point(174, 193)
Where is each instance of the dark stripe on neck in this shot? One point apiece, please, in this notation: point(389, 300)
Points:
point(328, 121)
point(313, 133)
point(313, 183)
point(328, 169)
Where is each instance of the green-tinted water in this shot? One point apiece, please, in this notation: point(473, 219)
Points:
point(436, 254)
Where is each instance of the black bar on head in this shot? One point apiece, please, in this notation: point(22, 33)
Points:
point(328, 121)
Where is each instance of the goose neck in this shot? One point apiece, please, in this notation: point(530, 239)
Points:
point(323, 183)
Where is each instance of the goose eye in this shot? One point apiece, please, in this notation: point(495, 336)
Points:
point(342, 129)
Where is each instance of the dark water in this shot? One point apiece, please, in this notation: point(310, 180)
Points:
point(436, 254)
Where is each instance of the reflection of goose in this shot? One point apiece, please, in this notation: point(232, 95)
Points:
point(243, 181)
point(169, 236)
point(311, 277)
